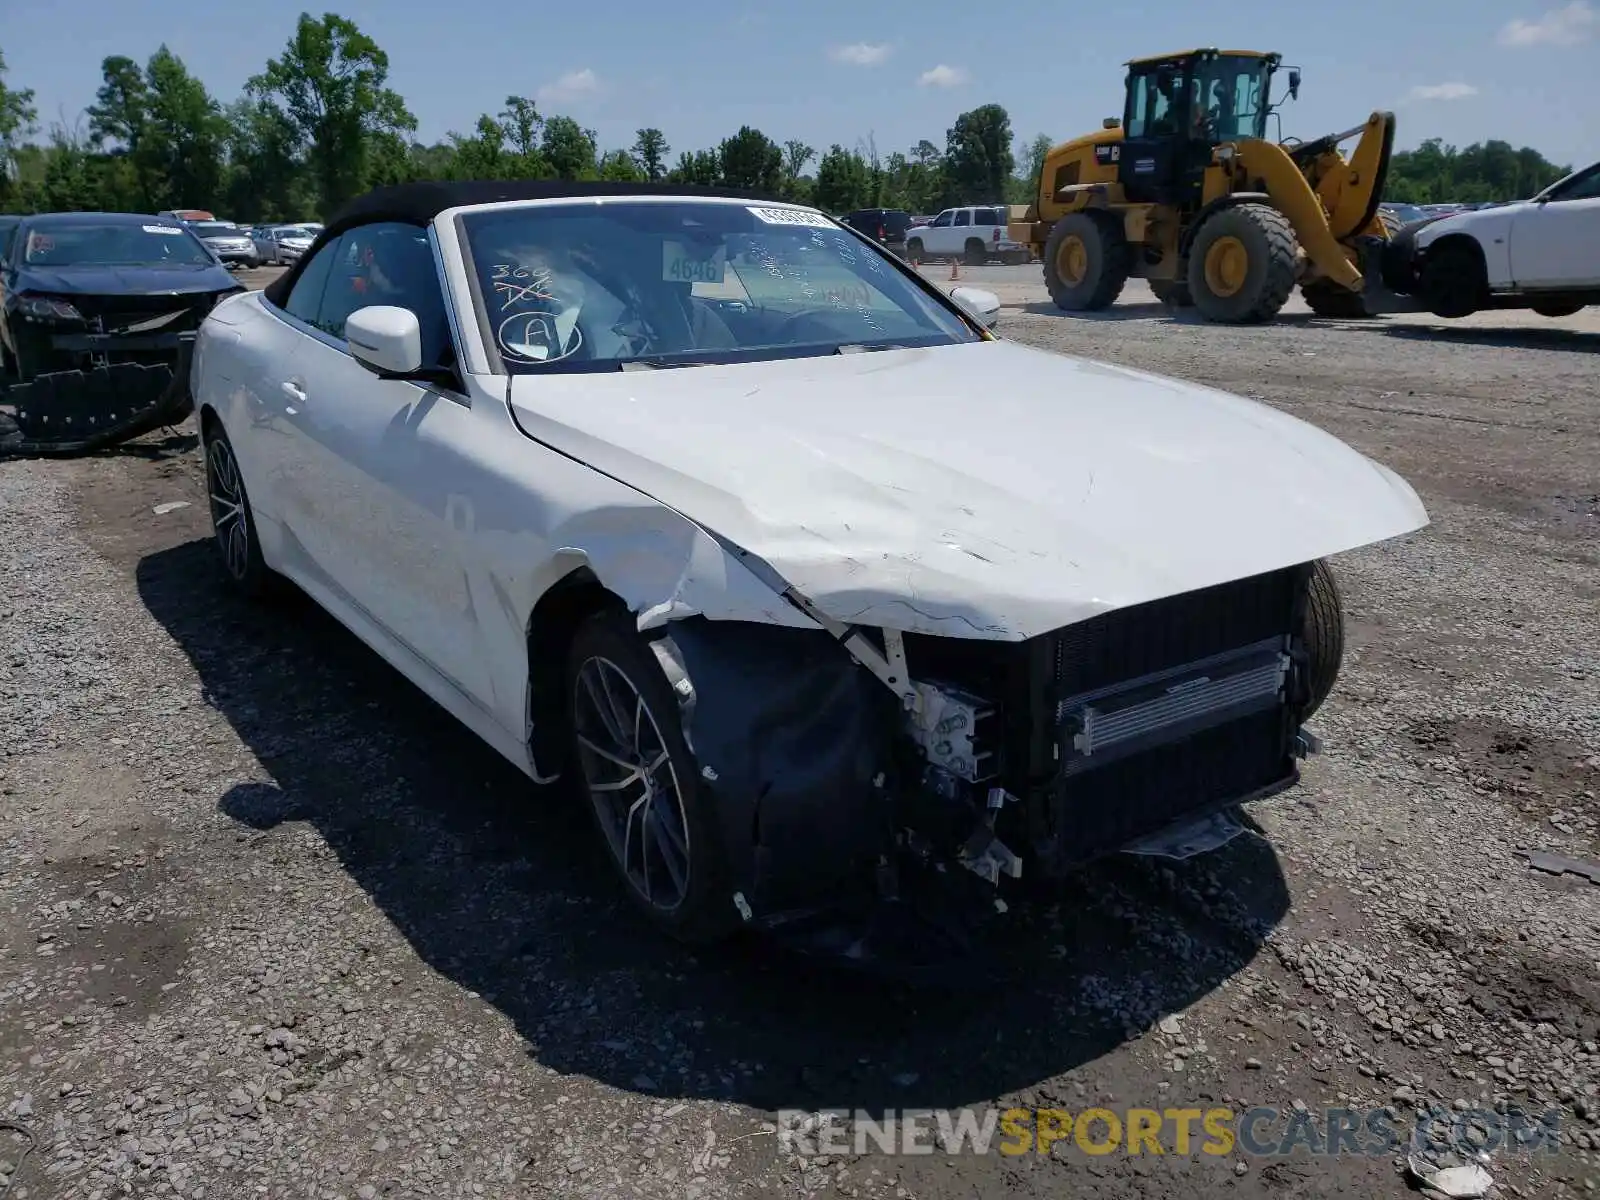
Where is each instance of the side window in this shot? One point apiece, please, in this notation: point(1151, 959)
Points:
point(305, 299)
point(943, 220)
point(964, 217)
point(1584, 187)
point(389, 263)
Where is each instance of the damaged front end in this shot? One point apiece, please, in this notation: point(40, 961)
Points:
point(88, 371)
point(879, 792)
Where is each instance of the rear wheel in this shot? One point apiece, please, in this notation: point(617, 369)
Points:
point(1553, 309)
point(1174, 293)
point(914, 250)
point(629, 757)
point(1086, 261)
point(1242, 264)
point(977, 253)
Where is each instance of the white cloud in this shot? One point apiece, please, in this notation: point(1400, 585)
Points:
point(1442, 91)
point(1564, 26)
point(574, 85)
point(943, 76)
point(860, 54)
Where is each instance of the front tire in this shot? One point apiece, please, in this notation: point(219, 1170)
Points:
point(1323, 633)
point(1453, 282)
point(233, 523)
point(1242, 264)
point(1086, 261)
point(629, 758)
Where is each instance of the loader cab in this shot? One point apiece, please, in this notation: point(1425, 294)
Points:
point(1179, 108)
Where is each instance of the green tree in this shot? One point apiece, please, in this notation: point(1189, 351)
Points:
point(650, 151)
point(17, 122)
point(521, 121)
point(266, 180)
point(180, 156)
point(619, 166)
point(977, 156)
point(331, 84)
point(569, 148)
point(750, 159)
point(842, 180)
point(796, 156)
point(701, 168)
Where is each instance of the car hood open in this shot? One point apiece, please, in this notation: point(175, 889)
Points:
point(985, 490)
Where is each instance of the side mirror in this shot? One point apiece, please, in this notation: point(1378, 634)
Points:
point(982, 305)
point(385, 339)
point(1111, 123)
point(1294, 83)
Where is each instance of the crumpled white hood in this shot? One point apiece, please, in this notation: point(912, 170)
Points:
point(986, 490)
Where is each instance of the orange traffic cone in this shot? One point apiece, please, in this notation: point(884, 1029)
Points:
point(955, 269)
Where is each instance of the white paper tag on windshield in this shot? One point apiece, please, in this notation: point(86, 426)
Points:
point(170, 230)
point(683, 264)
point(790, 216)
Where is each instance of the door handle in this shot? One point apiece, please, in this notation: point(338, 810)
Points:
point(293, 393)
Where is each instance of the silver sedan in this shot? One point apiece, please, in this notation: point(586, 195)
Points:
point(281, 244)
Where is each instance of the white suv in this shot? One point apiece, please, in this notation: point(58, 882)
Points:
point(1542, 254)
point(975, 235)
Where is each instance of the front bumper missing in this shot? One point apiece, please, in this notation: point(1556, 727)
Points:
point(64, 413)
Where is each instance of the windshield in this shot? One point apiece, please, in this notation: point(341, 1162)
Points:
point(596, 285)
point(1231, 94)
point(111, 244)
point(290, 233)
point(215, 229)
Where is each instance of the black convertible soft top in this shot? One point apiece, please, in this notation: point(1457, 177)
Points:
point(420, 203)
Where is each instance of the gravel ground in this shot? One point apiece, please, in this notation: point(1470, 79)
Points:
point(270, 924)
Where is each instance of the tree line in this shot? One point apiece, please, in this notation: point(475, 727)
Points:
point(319, 124)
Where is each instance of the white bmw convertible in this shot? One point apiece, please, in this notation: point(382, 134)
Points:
point(822, 596)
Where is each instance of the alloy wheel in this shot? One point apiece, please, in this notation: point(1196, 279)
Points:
point(226, 492)
point(632, 783)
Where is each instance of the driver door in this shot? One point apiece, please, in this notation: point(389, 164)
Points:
point(1556, 243)
point(1155, 145)
point(385, 482)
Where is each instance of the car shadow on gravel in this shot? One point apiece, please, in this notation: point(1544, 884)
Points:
point(502, 888)
point(1576, 341)
point(1148, 311)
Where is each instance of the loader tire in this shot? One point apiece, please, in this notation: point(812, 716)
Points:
point(1086, 261)
point(1174, 293)
point(1323, 633)
point(1329, 299)
point(1326, 298)
point(1242, 264)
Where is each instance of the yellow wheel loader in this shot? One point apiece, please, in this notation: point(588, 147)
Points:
point(1186, 191)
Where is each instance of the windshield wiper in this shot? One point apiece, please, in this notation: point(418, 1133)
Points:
point(859, 348)
point(652, 364)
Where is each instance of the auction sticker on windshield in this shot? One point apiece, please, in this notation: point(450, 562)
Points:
point(680, 264)
point(170, 230)
point(791, 216)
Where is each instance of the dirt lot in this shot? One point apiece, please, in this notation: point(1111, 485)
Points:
point(271, 925)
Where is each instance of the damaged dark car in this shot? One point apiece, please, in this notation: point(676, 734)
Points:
point(98, 317)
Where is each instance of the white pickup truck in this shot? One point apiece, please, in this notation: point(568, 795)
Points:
point(974, 235)
point(1542, 253)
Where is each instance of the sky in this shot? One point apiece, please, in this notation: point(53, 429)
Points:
point(827, 71)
